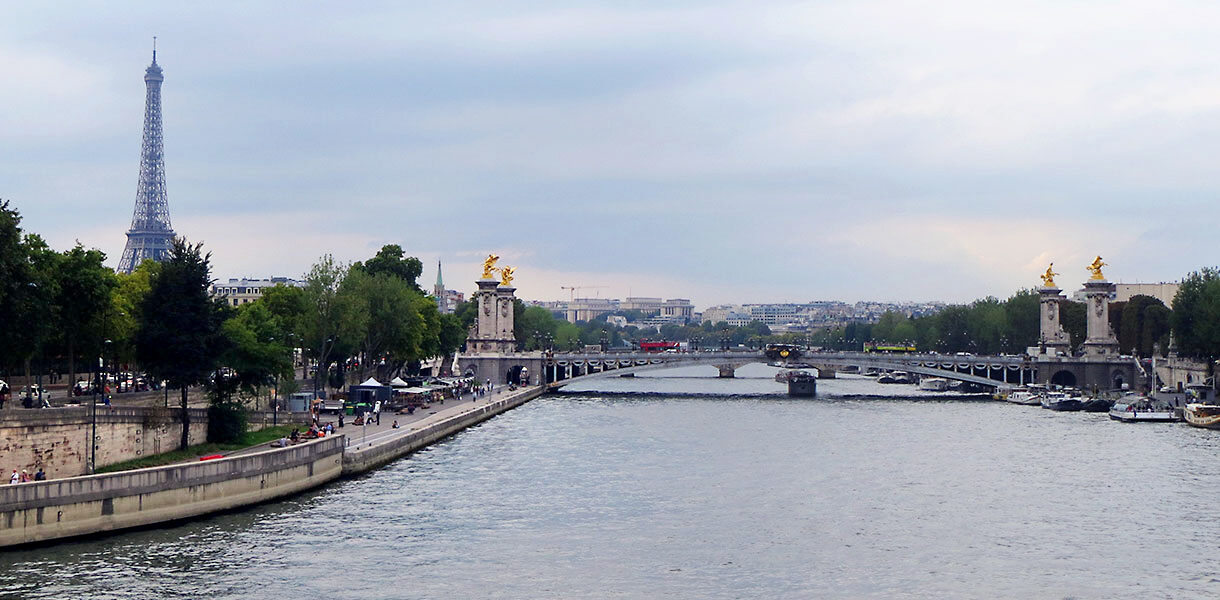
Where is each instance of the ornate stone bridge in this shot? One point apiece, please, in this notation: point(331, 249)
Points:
point(492, 354)
point(560, 368)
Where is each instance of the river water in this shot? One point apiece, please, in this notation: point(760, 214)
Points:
point(687, 486)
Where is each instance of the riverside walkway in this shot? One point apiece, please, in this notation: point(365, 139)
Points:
point(364, 436)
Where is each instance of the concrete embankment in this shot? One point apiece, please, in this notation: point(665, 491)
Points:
point(60, 508)
point(358, 458)
point(47, 510)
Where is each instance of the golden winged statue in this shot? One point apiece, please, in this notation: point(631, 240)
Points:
point(489, 266)
point(1095, 267)
point(1048, 278)
point(506, 275)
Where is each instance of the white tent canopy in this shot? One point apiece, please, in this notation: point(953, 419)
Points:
point(399, 383)
point(372, 382)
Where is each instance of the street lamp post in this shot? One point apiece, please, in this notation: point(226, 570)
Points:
point(92, 463)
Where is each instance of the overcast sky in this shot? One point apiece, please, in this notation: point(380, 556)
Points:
point(719, 151)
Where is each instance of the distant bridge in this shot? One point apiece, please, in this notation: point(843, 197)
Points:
point(561, 368)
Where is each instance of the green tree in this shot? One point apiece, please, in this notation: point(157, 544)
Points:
point(1143, 325)
point(37, 312)
point(533, 324)
point(452, 335)
point(1023, 313)
point(883, 329)
point(83, 295)
point(289, 305)
point(390, 260)
point(567, 336)
point(1073, 319)
point(987, 325)
point(1196, 316)
point(257, 350)
point(955, 329)
point(121, 321)
point(333, 324)
point(16, 285)
point(180, 338)
point(393, 325)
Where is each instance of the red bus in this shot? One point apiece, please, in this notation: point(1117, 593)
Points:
point(659, 346)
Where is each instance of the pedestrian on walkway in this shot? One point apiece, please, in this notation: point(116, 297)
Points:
point(40, 475)
point(378, 417)
point(15, 478)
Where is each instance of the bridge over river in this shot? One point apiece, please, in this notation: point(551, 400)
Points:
point(561, 368)
point(493, 351)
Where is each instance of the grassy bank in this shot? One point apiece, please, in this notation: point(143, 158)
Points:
point(251, 438)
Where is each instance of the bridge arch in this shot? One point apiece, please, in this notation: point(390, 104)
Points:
point(1064, 377)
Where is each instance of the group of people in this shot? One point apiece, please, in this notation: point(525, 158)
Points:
point(24, 476)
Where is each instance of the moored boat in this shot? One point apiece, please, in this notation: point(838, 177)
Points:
point(933, 384)
point(1061, 402)
point(789, 375)
point(1024, 397)
point(1097, 405)
point(1142, 409)
point(1206, 416)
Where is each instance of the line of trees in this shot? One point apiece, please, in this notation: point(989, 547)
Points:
point(993, 326)
point(63, 311)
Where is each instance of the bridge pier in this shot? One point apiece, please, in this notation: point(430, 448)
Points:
point(727, 371)
point(826, 373)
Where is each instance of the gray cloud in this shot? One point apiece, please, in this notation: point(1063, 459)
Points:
point(727, 151)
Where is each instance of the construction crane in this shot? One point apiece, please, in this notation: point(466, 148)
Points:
point(573, 288)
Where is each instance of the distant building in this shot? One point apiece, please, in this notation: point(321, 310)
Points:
point(587, 309)
point(678, 309)
point(718, 314)
point(1161, 291)
point(1125, 291)
point(648, 306)
point(244, 291)
point(774, 314)
point(446, 300)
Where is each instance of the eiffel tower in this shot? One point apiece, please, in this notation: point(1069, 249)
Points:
point(150, 235)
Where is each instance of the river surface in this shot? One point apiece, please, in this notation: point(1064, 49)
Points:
point(687, 486)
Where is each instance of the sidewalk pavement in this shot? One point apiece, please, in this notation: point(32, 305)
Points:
point(362, 435)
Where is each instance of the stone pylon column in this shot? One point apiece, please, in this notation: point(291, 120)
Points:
point(486, 335)
point(504, 324)
point(1100, 342)
point(1053, 339)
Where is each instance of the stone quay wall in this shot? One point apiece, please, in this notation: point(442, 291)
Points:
point(358, 460)
point(47, 510)
point(57, 439)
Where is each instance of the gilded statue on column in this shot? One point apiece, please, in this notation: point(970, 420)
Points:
point(1095, 267)
point(489, 266)
point(506, 276)
point(1048, 278)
